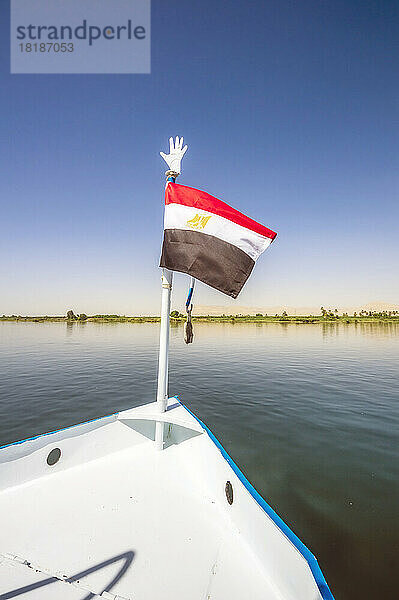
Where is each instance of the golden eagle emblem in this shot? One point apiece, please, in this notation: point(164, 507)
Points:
point(198, 221)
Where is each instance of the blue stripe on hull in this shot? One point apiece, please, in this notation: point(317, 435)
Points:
point(36, 437)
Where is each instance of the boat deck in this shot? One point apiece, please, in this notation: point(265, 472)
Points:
point(117, 519)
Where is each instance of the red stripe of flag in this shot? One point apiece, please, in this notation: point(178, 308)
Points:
point(181, 194)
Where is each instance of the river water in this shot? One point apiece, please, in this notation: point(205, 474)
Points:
point(309, 412)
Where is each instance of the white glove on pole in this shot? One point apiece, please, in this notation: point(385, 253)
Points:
point(176, 153)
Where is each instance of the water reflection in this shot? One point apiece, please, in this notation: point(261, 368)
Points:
point(309, 411)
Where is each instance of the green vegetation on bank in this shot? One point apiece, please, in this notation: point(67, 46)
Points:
point(326, 316)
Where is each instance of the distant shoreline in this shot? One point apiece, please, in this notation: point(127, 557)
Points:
point(311, 319)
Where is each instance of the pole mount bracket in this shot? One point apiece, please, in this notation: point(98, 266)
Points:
point(173, 174)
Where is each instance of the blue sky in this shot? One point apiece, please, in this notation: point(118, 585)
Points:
point(290, 111)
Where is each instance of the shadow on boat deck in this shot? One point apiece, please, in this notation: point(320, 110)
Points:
point(126, 557)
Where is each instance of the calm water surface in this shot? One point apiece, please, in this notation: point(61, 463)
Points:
point(309, 412)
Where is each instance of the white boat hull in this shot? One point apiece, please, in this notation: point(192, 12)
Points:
point(115, 518)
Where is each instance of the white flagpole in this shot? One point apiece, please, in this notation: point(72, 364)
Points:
point(173, 160)
point(162, 393)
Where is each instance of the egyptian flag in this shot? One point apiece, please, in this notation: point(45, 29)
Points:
point(210, 240)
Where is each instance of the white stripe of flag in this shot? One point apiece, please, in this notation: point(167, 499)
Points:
point(178, 216)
